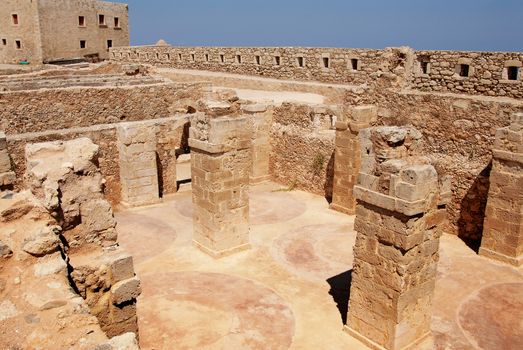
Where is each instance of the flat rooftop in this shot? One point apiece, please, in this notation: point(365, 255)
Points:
point(291, 290)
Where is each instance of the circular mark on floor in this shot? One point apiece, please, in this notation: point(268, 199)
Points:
point(197, 310)
point(316, 252)
point(493, 317)
point(142, 236)
point(273, 207)
point(265, 207)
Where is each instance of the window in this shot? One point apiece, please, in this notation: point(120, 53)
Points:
point(257, 60)
point(179, 57)
point(101, 20)
point(206, 57)
point(193, 57)
point(109, 44)
point(354, 64)
point(300, 61)
point(18, 44)
point(326, 62)
point(83, 44)
point(157, 56)
point(238, 59)
point(116, 23)
point(424, 67)
point(512, 73)
point(277, 60)
point(14, 17)
point(222, 58)
point(81, 21)
point(464, 70)
point(4, 42)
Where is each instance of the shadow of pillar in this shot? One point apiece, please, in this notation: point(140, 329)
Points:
point(340, 292)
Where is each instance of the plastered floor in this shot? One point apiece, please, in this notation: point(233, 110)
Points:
point(290, 290)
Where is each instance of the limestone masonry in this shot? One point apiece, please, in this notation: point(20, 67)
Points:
point(253, 198)
point(33, 30)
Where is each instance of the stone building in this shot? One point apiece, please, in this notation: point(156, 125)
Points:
point(33, 30)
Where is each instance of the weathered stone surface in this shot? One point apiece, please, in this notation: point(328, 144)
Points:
point(220, 163)
point(125, 291)
point(138, 166)
point(399, 219)
point(503, 228)
point(347, 159)
point(5, 251)
point(45, 241)
point(66, 177)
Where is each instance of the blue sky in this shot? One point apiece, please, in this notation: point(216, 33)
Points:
point(483, 25)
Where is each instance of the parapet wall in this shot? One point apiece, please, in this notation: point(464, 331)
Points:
point(478, 73)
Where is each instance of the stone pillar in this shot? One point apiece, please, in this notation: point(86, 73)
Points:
point(7, 176)
point(138, 165)
point(503, 228)
point(260, 121)
point(220, 165)
point(399, 214)
point(347, 157)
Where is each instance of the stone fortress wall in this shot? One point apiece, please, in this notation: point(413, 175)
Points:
point(33, 30)
point(478, 73)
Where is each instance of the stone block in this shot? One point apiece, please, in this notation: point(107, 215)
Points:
point(125, 291)
point(121, 267)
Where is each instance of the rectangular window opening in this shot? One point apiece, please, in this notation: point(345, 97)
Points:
point(512, 73)
point(326, 62)
point(18, 44)
point(206, 57)
point(193, 57)
point(464, 70)
point(81, 21)
point(424, 67)
point(117, 22)
point(179, 56)
point(222, 58)
point(300, 62)
point(82, 44)
point(238, 59)
point(4, 42)
point(14, 17)
point(257, 59)
point(354, 63)
point(101, 20)
point(109, 44)
point(277, 60)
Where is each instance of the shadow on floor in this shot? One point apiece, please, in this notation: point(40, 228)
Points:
point(340, 292)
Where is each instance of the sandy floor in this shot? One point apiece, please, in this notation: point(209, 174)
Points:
point(290, 290)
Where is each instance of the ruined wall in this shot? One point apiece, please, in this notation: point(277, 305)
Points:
point(349, 66)
point(59, 16)
point(459, 132)
point(27, 32)
point(302, 152)
point(487, 73)
point(170, 133)
point(53, 109)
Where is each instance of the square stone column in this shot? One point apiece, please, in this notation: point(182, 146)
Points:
point(220, 166)
point(347, 157)
point(503, 229)
point(399, 214)
point(138, 165)
point(7, 176)
point(259, 119)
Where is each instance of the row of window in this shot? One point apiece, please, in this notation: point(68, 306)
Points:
point(82, 22)
point(83, 44)
point(353, 63)
point(465, 70)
